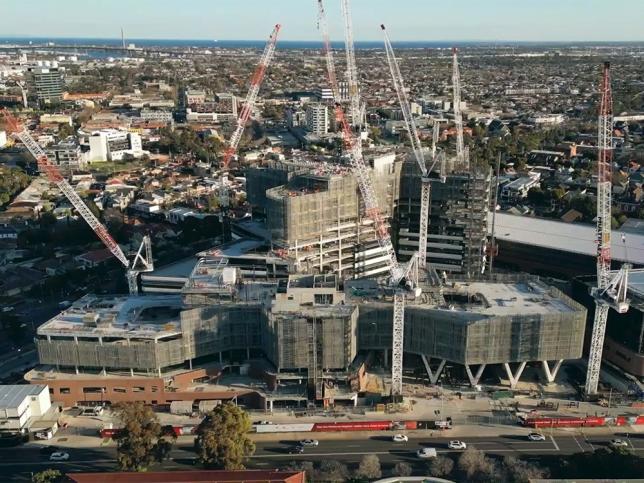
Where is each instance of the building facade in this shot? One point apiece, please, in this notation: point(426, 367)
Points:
point(67, 155)
point(48, 83)
point(114, 145)
point(317, 118)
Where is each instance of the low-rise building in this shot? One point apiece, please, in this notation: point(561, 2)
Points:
point(22, 405)
point(517, 190)
point(114, 145)
point(66, 154)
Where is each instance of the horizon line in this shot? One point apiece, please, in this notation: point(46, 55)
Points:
point(53, 37)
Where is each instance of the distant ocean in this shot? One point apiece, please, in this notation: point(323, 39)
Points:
point(284, 44)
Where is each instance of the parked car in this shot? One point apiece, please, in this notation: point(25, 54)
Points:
point(456, 445)
point(59, 456)
point(309, 442)
point(536, 437)
point(425, 453)
point(618, 443)
point(399, 438)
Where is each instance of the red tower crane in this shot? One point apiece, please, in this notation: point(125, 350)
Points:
point(611, 290)
point(247, 109)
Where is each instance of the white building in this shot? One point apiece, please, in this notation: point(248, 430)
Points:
point(517, 190)
point(113, 145)
point(324, 94)
point(317, 118)
point(21, 405)
point(3, 139)
point(549, 119)
point(66, 154)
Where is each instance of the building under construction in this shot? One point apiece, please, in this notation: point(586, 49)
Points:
point(457, 234)
point(305, 338)
point(313, 214)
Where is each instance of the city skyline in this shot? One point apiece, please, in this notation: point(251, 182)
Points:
point(498, 20)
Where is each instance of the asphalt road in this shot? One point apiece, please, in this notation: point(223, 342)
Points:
point(17, 464)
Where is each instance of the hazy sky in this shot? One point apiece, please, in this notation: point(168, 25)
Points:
point(538, 20)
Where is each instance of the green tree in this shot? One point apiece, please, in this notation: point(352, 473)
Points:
point(332, 471)
point(519, 471)
point(140, 441)
point(222, 438)
point(47, 476)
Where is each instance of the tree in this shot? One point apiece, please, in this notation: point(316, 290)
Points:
point(222, 438)
point(306, 466)
point(440, 466)
point(521, 471)
point(475, 465)
point(403, 469)
point(369, 467)
point(331, 470)
point(47, 476)
point(140, 441)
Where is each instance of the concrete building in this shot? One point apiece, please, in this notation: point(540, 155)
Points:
point(457, 237)
point(226, 104)
point(66, 154)
point(22, 405)
point(317, 119)
point(113, 145)
point(47, 83)
point(156, 115)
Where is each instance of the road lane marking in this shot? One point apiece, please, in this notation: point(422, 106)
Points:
point(554, 443)
point(580, 447)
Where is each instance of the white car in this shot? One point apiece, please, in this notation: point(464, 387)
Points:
point(309, 442)
point(618, 443)
point(456, 445)
point(536, 437)
point(59, 456)
point(425, 453)
point(399, 438)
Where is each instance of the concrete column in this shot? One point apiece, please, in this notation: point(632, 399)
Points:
point(474, 379)
point(190, 363)
point(386, 358)
point(220, 357)
point(433, 376)
point(270, 405)
point(77, 371)
point(131, 372)
point(514, 378)
point(551, 374)
point(247, 353)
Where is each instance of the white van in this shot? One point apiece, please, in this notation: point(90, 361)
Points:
point(426, 453)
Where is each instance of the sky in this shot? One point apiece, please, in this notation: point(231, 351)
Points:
point(492, 20)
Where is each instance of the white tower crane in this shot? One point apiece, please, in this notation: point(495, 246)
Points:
point(462, 157)
point(611, 291)
point(355, 110)
point(140, 263)
point(403, 279)
point(417, 149)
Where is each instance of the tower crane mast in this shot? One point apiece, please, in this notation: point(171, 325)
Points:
point(417, 149)
point(402, 278)
point(611, 291)
point(462, 160)
point(352, 69)
point(247, 108)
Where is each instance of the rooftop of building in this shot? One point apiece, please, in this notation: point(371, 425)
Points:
point(131, 317)
point(12, 395)
point(199, 476)
point(568, 237)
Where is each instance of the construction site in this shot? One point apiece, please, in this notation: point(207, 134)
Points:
point(371, 265)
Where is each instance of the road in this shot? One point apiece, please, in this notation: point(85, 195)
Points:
point(16, 464)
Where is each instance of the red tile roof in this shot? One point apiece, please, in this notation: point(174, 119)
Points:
point(204, 476)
